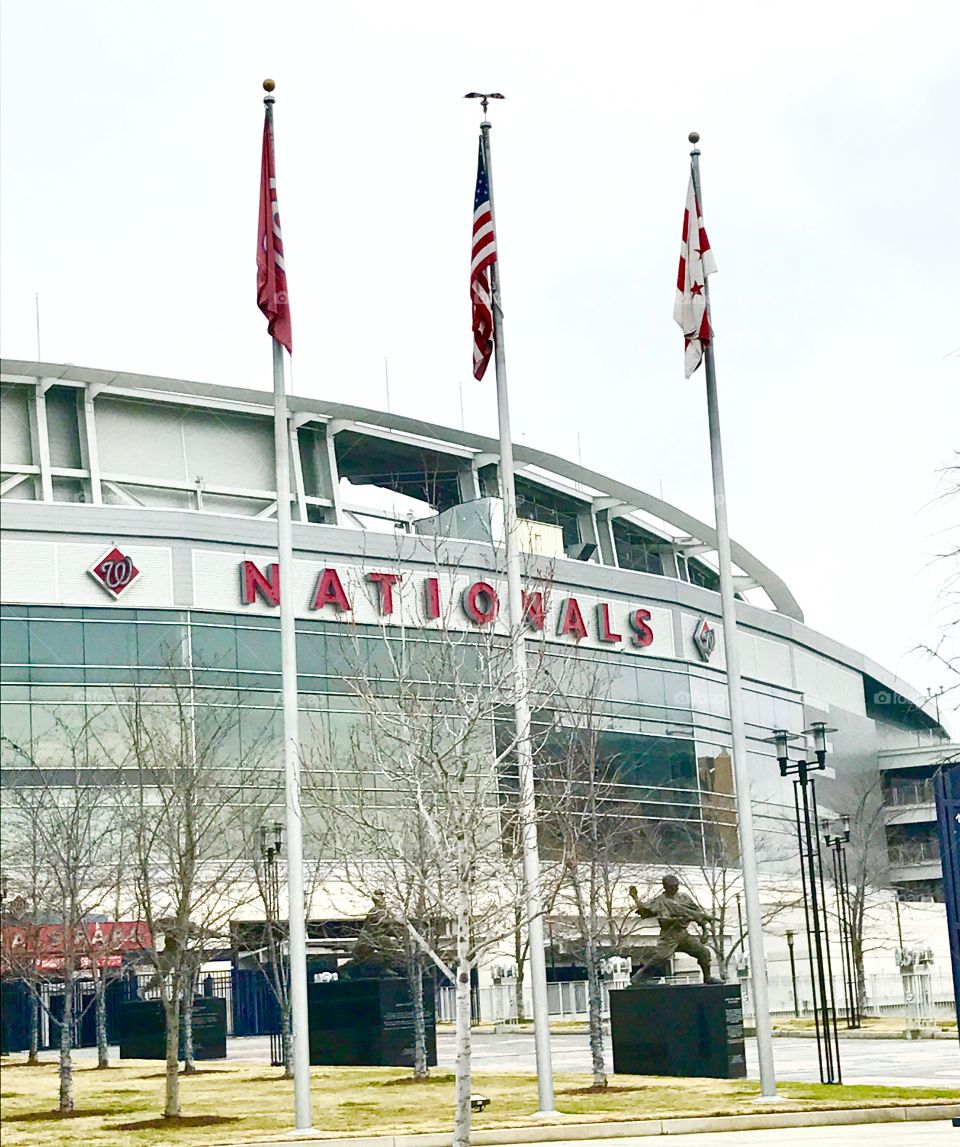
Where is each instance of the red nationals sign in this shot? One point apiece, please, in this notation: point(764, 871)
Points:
point(114, 571)
point(42, 946)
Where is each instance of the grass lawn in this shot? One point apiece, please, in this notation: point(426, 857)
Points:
point(247, 1102)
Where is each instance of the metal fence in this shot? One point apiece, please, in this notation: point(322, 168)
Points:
point(252, 1008)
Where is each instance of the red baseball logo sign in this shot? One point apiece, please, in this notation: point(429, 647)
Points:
point(705, 638)
point(114, 571)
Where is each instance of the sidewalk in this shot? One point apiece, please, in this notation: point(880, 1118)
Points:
point(880, 1126)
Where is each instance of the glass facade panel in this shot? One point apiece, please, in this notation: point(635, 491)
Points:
point(14, 649)
point(110, 644)
point(661, 725)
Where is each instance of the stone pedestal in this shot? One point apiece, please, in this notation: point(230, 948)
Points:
point(367, 1023)
point(678, 1029)
point(142, 1035)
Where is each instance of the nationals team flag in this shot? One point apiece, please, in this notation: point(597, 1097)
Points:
point(483, 257)
point(696, 262)
point(271, 275)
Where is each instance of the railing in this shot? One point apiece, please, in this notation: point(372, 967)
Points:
point(917, 852)
point(909, 793)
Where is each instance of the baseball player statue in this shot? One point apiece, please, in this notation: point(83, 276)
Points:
point(675, 911)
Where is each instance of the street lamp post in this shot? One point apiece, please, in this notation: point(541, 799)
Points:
point(793, 972)
point(814, 896)
point(835, 843)
point(271, 845)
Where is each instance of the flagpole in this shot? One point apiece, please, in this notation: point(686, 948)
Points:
point(527, 798)
point(297, 935)
point(748, 854)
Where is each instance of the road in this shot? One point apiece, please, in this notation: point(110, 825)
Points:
point(893, 1062)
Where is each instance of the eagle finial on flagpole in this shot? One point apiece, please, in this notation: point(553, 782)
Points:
point(484, 98)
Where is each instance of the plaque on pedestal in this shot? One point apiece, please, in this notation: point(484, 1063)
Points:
point(367, 1023)
point(141, 1030)
point(678, 1029)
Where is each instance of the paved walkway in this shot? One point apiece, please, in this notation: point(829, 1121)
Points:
point(918, 1063)
point(876, 1134)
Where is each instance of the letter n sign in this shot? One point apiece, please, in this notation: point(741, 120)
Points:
point(253, 582)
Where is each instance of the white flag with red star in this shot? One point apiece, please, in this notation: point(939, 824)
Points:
point(696, 262)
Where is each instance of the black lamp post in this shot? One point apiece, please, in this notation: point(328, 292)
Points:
point(793, 972)
point(814, 896)
point(271, 845)
point(835, 843)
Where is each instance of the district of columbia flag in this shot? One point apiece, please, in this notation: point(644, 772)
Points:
point(483, 257)
point(272, 296)
point(696, 262)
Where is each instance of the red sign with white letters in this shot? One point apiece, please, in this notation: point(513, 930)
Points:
point(114, 571)
point(42, 946)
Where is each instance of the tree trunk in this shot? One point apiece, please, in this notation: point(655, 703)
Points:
point(103, 1049)
point(461, 1125)
point(171, 1011)
point(32, 1057)
point(594, 1009)
point(859, 978)
point(189, 1067)
point(286, 1036)
point(66, 1043)
point(421, 1069)
point(461, 1120)
point(518, 957)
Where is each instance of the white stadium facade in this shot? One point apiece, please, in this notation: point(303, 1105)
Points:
point(138, 514)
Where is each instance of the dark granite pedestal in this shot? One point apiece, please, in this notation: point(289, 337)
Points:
point(678, 1029)
point(141, 1031)
point(367, 1023)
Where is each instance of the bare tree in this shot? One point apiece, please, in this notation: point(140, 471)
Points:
point(57, 810)
point(414, 799)
point(861, 798)
point(186, 782)
point(589, 819)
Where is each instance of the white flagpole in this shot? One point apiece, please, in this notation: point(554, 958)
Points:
point(748, 854)
point(297, 932)
point(528, 809)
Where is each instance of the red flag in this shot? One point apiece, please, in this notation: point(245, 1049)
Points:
point(272, 296)
point(696, 262)
point(484, 254)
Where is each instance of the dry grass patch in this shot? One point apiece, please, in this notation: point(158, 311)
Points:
point(244, 1103)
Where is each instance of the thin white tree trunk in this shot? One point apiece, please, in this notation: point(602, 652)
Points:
point(171, 1011)
point(32, 1055)
point(461, 1123)
point(286, 1036)
point(189, 1066)
point(66, 1042)
point(594, 1009)
point(421, 1069)
point(103, 1048)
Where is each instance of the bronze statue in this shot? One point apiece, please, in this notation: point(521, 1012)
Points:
point(380, 949)
point(676, 911)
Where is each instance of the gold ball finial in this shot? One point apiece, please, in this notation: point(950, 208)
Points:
point(694, 136)
point(268, 85)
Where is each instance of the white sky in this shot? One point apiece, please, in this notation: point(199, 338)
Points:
point(131, 149)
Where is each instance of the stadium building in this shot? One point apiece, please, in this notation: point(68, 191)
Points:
point(138, 516)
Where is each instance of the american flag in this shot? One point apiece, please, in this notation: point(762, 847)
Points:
point(484, 255)
point(272, 296)
point(696, 262)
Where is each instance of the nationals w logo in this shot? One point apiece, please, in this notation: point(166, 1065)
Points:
point(114, 571)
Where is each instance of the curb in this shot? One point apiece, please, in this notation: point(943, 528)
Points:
point(685, 1125)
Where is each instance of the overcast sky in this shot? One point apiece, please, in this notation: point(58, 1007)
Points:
point(131, 150)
